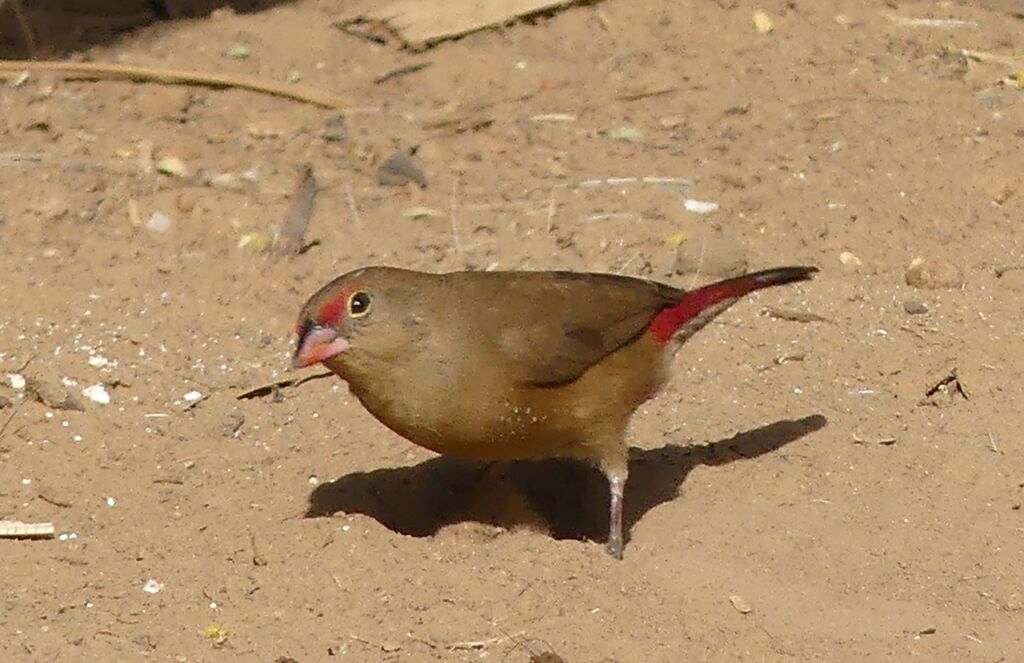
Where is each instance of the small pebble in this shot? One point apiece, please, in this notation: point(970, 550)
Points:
point(762, 22)
point(192, 396)
point(934, 275)
point(239, 52)
point(172, 166)
point(848, 259)
point(700, 206)
point(159, 222)
point(401, 168)
point(152, 586)
point(16, 380)
point(914, 307)
point(97, 393)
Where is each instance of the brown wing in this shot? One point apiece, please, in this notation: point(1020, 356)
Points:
point(547, 328)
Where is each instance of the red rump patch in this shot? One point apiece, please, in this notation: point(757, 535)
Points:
point(669, 321)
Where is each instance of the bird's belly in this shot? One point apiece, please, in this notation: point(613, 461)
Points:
point(481, 428)
point(471, 416)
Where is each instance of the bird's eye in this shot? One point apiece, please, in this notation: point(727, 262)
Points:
point(358, 304)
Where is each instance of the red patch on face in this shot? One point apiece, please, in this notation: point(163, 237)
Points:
point(332, 312)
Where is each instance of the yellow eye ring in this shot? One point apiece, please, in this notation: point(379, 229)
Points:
point(358, 304)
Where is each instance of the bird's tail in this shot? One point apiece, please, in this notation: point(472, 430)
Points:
point(697, 308)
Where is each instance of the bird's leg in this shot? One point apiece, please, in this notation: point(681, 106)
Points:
point(616, 488)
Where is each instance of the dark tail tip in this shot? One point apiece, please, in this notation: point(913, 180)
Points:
point(781, 275)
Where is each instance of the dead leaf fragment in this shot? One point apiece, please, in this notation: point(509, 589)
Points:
point(740, 604)
point(292, 237)
point(944, 390)
point(216, 634)
point(401, 168)
point(173, 166)
point(420, 212)
point(625, 134)
point(256, 242)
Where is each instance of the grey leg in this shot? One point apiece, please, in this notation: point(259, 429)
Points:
point(616, 486)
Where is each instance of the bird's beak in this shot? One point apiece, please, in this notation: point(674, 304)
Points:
point(318, 344)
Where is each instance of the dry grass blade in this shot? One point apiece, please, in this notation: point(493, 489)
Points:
point(292, 237)
point(108, 71)
point(793, 316)
point(268, 389)
point(401, 71)
point(13, 529)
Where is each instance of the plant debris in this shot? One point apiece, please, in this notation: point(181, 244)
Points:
point(420, 212)
point(14, 529)
point(946, 387)
point(402, 71)
point(884, 441)
point(419, 24)
point(270, 388)
point(740, 604)
point(291, 240)
point(401, 168)
point(793, 316)
point(216, 634)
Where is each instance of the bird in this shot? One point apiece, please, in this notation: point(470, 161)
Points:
point(512, 365)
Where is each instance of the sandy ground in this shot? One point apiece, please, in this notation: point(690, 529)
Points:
point(844, 486)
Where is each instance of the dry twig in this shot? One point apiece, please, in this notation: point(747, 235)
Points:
point(13, 529)
point(267, 389)
point(110, 71)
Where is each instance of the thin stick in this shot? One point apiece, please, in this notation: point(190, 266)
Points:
point(108, 71)
point(551, 209)
point(402, 71)
point(351, 198)
point(700, 262)
point(13, 529)
point(455, 228)
point(3, 429)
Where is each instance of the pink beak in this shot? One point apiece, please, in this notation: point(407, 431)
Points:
point(318, 344)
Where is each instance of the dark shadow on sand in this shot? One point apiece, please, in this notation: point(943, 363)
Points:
point(570, 498)
point(60, 27)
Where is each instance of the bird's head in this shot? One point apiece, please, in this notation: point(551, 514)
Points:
point(361, 311)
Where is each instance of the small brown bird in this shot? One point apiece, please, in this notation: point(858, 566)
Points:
point(512, 365)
